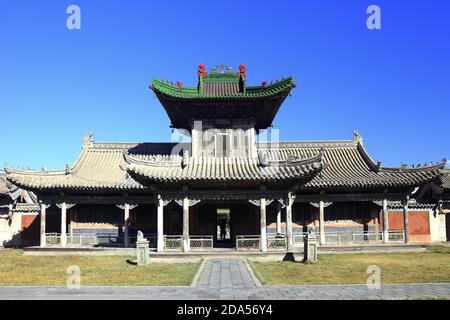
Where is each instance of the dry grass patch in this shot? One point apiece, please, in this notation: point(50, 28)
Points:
point(431, 266)
point(19, 270)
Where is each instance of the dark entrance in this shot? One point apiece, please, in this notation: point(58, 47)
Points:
point(241, 218)
point(223, 239)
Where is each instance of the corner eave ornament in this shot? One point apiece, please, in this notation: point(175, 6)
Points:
point(357, 137)
point(87, 139)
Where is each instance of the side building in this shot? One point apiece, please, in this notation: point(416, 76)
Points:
point(18, 212)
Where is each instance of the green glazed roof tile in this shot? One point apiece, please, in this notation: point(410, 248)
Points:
point(250, 92)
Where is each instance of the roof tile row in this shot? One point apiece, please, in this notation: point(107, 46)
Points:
point(103, 166)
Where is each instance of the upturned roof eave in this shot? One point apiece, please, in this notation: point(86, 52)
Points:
point(252, 92)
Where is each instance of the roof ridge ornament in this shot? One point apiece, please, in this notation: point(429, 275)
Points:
point(87, 139)
point(201, 71)
point(379, 165)
point(242, 74)
point(357, 137)
point(292, 160)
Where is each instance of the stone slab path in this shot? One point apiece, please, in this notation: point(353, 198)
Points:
point(229, 279)
point(223, 274)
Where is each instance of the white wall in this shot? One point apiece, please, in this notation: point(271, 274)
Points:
point(8, 231)
point(442, 227)
point(434, 226)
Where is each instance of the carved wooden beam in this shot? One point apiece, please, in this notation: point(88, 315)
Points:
point(192, 202)
point(255, 202)
point(258, 202)
point(68, 205)
point(122, 206)
point(317, 204)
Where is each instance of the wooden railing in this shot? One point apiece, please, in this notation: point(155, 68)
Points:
point(101, 240)
point(276, 242)
point(343, 238)
point(247, 242)
point(201, 242)
point(173, 242)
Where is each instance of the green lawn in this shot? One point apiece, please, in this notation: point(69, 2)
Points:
point(430, 266)
point(16, 269)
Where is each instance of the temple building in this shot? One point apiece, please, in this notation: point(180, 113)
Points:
point(18, 212)
point(233, 185)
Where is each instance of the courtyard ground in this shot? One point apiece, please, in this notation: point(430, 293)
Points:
point(229, 278)
point(431, 266)
point(18, 270)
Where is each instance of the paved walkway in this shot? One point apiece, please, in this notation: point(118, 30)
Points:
point(228, 279)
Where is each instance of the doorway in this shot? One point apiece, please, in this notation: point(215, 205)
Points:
point(223, 226)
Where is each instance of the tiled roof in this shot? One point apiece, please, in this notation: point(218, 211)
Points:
point(171, 169)
point(411, 205)
point(327, 165)
point(97, 168)
point(446, 178)
point(3, 184)
point(222, 90)
point(347, 165)
point(27, 207)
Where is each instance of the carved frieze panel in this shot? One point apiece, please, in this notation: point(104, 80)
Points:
point(317, 204)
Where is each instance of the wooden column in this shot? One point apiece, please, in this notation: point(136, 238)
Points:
point(377, 227)
point(70, 224)
point(42, 231)
point(160, 225)
point(321, 222)
point(385, 221)
point(126, 232)
point(186, 224)
point(263, 226)
point(289, 239)
point(405, 220)
point(63, 224)
point(279, 218)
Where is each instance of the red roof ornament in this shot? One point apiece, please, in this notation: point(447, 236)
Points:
point(242, 71)
point(264, 84)
point(201, 70)
point(180, 85)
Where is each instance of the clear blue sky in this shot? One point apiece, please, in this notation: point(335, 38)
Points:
point(56, 84)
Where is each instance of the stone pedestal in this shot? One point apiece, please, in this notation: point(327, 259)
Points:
point(310, 247)
point(142, 252)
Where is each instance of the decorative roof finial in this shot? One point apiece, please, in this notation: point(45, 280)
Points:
point(242, 71)
point(201, 71)
point(357, 137)
point(87, 139)
point(379, 164)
